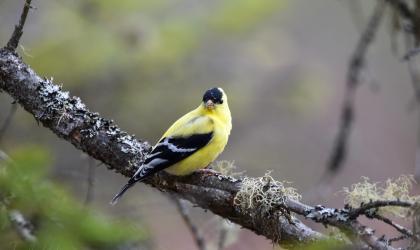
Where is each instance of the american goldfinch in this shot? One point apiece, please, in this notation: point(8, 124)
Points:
point(191, 143)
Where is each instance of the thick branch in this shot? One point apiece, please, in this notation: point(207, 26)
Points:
point(100, 138)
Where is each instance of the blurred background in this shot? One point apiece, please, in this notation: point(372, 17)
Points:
point(282, 63)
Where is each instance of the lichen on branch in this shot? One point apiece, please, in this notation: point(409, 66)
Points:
point(264, 194)
point(392, 189)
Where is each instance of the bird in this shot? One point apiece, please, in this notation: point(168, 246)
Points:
point(191, 143)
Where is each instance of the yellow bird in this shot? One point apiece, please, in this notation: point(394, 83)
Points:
point(191, 143)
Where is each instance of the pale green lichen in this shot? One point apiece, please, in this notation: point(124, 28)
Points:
point(392, 189)
point(227, 168)
point(264, 194)
point(265, 198)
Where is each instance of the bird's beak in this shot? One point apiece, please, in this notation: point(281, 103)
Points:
point(209, 105)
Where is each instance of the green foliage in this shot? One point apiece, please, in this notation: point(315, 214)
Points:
point(172, 42)
point(124, 6)
point(328, 244)
point(89, 38)
point(60, 222)
point(81, 44)
point(244, 15)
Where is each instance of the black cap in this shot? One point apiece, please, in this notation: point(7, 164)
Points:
point(214, 94)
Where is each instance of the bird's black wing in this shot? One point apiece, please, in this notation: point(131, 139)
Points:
point(171, 150)
point(166, 153)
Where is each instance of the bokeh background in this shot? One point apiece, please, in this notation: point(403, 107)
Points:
point(282, 63)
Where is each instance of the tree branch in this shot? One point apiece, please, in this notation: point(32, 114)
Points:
point(354, 213)
point(339, 152)
point(196, 234)
point(103, 140)
point(404, 231)
point(18, 31)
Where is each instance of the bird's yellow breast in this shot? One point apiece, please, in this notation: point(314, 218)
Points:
point(202, 158)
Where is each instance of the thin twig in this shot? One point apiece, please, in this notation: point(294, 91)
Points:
point(8, 120)
point(415, 82)
point(356, 64)
point(196, 234)
point(401, 237)
point(18, 31)
point(90, 181)
point(354, 213)
point(398, 227)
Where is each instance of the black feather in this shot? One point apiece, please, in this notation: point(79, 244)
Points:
point(130, 183)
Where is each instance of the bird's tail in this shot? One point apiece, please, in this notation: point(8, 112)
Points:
point(130, 183)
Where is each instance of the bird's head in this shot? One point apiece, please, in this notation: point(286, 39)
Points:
point(213, 98)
